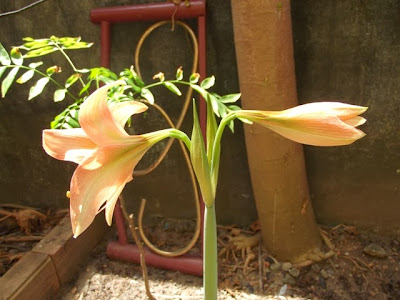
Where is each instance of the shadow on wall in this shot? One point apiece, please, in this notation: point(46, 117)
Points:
point(46, 180)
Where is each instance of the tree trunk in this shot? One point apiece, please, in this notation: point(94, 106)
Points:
point(264, 50)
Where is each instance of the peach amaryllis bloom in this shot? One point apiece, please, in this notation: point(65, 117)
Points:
point(105, 153)
point(317, 124)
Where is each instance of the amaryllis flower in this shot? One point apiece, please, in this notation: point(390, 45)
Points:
point(318, 124)
point(105, 153)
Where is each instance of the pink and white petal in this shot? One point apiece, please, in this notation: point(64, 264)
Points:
point(317, 109)
point(98, 179)
point(122, 111)
point(68, 144)
point(355, 121)
point(347, 111)
point(96, 119)
point(110, 205)
point(323, 135)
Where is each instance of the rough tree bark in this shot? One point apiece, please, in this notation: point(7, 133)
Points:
point(264, 50)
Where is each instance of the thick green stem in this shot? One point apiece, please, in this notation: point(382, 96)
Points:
point(210, 259)
point(176, 133)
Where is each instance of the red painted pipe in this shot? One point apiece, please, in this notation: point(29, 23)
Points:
point(154, 11)
point(147, 12)
point(120, 224)
point(105, 37)
point(186, 264)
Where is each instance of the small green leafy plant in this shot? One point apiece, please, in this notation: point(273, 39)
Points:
point(23, 67)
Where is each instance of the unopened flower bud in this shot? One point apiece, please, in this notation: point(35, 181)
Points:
point(159, 76)
point(194, 78)
point(53, 69)
point(179, 74)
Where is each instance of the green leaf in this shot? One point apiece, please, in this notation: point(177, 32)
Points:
point(146, 94)
point(35, 44)
point(214, 103)
point(55, 39)
point(218, 107)
point(200, 90)
point(66, 39)
point(71, 80)
point(105, 79)
point(101, 74)
point(83, 70)
point(38, 87)
point(231, 126)
point(172, 87)
point(85, 88)
point(4, 58)
point(34, 65)
point(231, 98)
point(55, 124)
point(74, 113)
point(199, 160)
point(208, 82)
point(2, 69)
point(72, 122)
point(80, 45)
point(40, 52)
point(5, 85)
point(211, 128)
point(138, 81)
point(59, 95)
point(66, 126)
point(26, 76)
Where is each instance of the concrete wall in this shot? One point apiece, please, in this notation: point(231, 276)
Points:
point(29, 176)
point(344, 50)
point(349, 51)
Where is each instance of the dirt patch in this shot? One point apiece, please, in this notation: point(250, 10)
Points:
point(365, 266)
point(21, 228)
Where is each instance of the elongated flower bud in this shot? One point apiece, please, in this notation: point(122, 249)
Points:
point(318, 124)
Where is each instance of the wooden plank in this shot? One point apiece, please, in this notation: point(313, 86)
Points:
point(66, 252)
point(33, 277)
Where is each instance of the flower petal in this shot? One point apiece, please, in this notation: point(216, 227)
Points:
point(318, 124)
point(356, 121)
point(100, 178)
point(122, 111)
point(67, 144)
point(96, 119)
point(322, 135)
point(343, 111)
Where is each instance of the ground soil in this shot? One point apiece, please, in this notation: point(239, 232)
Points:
point(365, 265)
point(21, 228)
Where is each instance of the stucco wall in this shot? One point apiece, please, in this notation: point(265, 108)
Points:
point(344, 50)
point(349, 51)
point(29, 176)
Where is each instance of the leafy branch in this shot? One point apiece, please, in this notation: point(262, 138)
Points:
point(136, 89)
